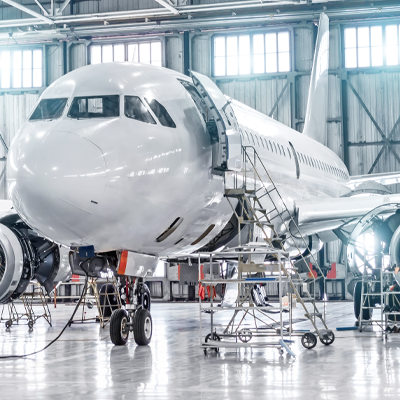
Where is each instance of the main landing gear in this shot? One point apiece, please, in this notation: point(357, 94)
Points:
point(136, 318)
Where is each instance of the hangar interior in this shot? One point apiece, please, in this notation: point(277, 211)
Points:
point(261, 54)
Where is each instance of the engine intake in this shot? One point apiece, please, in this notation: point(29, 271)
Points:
point(15, 268)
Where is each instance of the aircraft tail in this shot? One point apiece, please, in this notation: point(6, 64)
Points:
point(315, 125)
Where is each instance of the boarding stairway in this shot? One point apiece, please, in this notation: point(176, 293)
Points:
point(249, 189)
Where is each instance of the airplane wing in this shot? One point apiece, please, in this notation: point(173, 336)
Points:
point(323, 210)
point(386, 178)
point(327, 214)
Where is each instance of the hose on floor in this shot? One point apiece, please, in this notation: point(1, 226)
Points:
point(65, 327)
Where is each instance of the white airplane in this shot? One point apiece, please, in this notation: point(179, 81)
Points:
point(127, 163)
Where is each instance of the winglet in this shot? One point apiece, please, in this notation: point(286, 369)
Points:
point(315, 125)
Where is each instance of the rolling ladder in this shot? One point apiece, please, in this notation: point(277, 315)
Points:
point(249, 191)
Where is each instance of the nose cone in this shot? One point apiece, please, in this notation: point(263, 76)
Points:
point(56, 182)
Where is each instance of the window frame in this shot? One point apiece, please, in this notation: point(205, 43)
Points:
point(32, 89)
point(126, 44)
point(251, 34)
point(383, 24)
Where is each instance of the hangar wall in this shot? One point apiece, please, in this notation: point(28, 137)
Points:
point(351, 132)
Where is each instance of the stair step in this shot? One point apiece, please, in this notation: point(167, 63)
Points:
point(307, 299)
point(265, 223)
point(309, 315)
point(262, 210)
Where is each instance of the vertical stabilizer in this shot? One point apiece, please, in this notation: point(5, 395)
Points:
point(315, 125)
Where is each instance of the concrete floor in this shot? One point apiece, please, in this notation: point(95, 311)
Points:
point(83, 363)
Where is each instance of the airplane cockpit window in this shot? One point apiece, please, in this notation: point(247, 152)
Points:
point(161, 113)
point(94, 107)
point(135, 109)
point(48, 109)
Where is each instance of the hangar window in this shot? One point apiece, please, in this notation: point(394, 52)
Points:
point(364, 46)
point(251, 54)
point(94, 107)
point(135, 109)
point(161, 113)
point(21, 69)
point(145, 53)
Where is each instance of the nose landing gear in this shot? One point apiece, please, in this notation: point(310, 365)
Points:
point(136, 318)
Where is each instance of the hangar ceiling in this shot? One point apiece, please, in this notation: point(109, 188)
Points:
point(30, 20)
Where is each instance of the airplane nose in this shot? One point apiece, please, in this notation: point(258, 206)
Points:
point(56, 182)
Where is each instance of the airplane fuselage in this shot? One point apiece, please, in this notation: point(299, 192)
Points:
point(120, 181)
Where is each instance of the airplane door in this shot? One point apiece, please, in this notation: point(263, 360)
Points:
point(227, 149)
point(296, 160)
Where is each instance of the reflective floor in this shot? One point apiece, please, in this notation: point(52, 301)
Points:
point(83, 363)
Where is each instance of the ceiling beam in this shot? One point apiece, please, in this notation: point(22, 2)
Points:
point(28, 11)
point(42, 8)
point(63, 6)
point(166, 4)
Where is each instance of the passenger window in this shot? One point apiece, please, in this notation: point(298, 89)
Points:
point(48, 109)
point(272, 149)
point(262, 142)
point(257, 140)
point(283, 151)
point(248, 138)
point(94, 107)
point(290, 156)
point(276, 150)
point(135, 109)
point(161, 113)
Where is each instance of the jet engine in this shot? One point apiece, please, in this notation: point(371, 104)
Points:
point(394, 248)
point(24, 255)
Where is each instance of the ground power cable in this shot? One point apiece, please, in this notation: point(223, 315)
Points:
point(68, 324)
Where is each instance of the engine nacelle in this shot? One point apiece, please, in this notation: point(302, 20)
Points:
point(24, 256)
point(394, 248)
point(15, 268)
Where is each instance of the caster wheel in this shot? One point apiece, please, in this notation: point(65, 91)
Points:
point(245, 335)
point(205, 352)
point(309, 340)
point(119, 329)
point(89, 305)
point(281, 352)
point(142, 327)
point(8, 324)
point(213, 336)
point(327, 338)
point(30, 325)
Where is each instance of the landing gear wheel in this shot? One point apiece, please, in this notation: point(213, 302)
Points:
point(119, 328)
point(245, 335)
point(144, 298)
point(213, 336)
point(309, 340)
point(142, 327)
point(327, 338)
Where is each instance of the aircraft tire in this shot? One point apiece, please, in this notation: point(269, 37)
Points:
point(119, 331)
point(367, 313)
point(145, 298)
point(142, 327)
